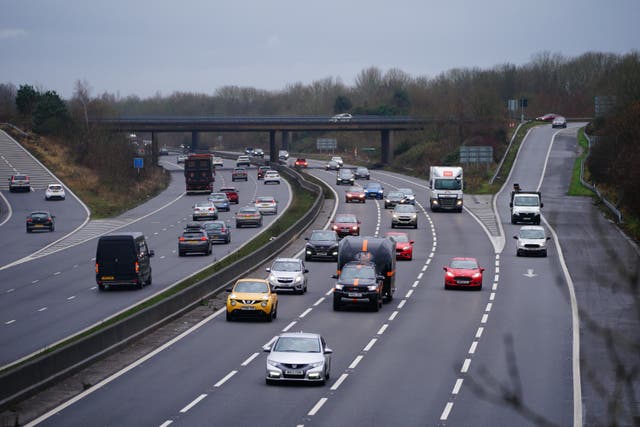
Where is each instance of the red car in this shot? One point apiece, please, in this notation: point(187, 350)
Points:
point(547, 117)
point(346, 225)
point(232, 194)
point(355, 194)
point(404, 246)
point(301, 163)
point(262, 170)
point(463, 273)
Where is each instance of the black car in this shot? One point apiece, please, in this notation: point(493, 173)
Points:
point(322, 244)
point(345, 176)
point(394, 198)
point(362, 173)
point(218, 231)
point(193, 240)
point(41, 220)
point(358, 284)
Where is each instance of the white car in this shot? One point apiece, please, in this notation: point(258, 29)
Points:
point(338, 160)
point(205, 210)
point(243, 161)
point(181, 158)
point(271, 177)
point(266, 205)
point(298, 356)
point(344, 117)
point(283, 155)
point(288, 274)
point(531, 240)
point(217, 161)
point(54, 191)
point(559, 122)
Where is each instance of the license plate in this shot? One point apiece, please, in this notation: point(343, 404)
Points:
point(294, 372)
point(108, 277)
point(464, 282)
point(249, 307)
point(321, 253)
point(39, 225)
point(354, 294)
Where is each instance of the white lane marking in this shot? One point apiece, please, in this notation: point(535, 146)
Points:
point(496, 278)
point(9, 322)
point(447, 410)
point(10, 212)
point(225, 379)
point(338, 382)
point(249, 359)
point(166, 423)
point(10, 290)
point(465, 365)
point(317, 303)
point(192, 404)
point(420, 276)
point(416, 283)
point(71, 297)
point(56, 273)
point(382, 329)
point(409, 293)
point(371, 343)
point(479, 332)
point(163, 257)
point(424, 268)
point(492, 296)
point(355, 362)
point(402, 303)
point(456, 388)
point(35, 281)
point(42, 309)
point(289, 326)
point(393, 315)
point(473, 347)
point(93, 288)
point(489, 306)
point(484, 318)
point(329, 292)
point(497, 270)
point(494, 287)
point(431, 254)
point(76, 266)
point(497, 262)
point(268, 343)
point(317, 407)
point(307, 311)
point(429, 261)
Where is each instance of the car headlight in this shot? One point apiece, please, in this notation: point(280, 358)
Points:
point(338, 287)
point(355, 227)
point(272, 364)
point(298, 279)
point(316, 364)
point(232, 302)
point(372, 287)
point(406, 248)
point(264, 303)
point(459, 202)
point(414, 216)
point(477, 275)
point(395, 216)
point(271, 278)
point(387, 200)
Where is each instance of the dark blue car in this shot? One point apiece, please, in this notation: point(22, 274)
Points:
point(221, 201)
point(373, 190)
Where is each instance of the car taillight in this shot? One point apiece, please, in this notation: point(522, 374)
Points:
point(203, 238)
point(29, 220)
point(223, 229)
point(97, 268)
point(181, 239)
point(137, 267)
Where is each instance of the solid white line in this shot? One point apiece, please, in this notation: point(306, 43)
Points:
point(456, 388)
point(338, 382)
point(317, 303)
point(192, 404)
point(289, 326)
point(317, 407)
point(465, 365)
point(9, 322)
point(473, 347)
point(447, 410)
point(225, 379)
point(9, 214)
point(484, 318)
point(479, 332)
point(355, 362)
point(166, 423)
point(489, 306)
point(409, 293)
point(402, 303)
point(307, 311)
point(382, 329)
point(250, 359)
point(42, 309)
point(393, 315)
point(371, 343)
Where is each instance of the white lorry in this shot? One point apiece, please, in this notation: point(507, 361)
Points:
point(525, 206)
point(445, 188)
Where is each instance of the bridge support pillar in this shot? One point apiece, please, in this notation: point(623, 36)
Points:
point(273, 152)
point(154, 148)
point(195, 136)
point(286, 139)
point(386, 149)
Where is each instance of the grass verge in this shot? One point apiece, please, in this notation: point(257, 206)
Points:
point(576, 188)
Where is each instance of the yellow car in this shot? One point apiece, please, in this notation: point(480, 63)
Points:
point(252, 298)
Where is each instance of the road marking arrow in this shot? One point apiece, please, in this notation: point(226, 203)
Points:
point(530, 273)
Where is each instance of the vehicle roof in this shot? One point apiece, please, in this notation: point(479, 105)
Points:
point(532, 227)
point(223, 189)
point(251, 279)
point(299, 335)
point(288, 259)
point(131, 234)
point(460, 258)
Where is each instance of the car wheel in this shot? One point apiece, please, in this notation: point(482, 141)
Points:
point(544, 253)
point(304, 290)
point(210, 250)
point(446, 287)
point(275, 312)
point(181, 253)
point(101, 287)
point(238, 225)
point(228, 240)
point(229, 317)
point(415, 225)
point(336, 305)
point(410, 257)
point(149, 280)
point(52, 228)
point(268, 381)
point(28, 231)
point(393, 225)
point(375, 306)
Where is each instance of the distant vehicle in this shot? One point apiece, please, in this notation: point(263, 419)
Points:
point(446, 188)
point(525, 206)
point(404, 216)
point(239, 174)
point(332, 165)
point(394, 198)
point(54, 191)
point(249, 215)
point(204, 210)
point(164, 151)
point(346, 225)
point(221, 201)
point(266, 205)
point(199, 174)
point(359, 284)
point(404, 245)
point(40, 220)
point(356, 194)
point(258, 152)
point(374, 190)
point(283, 155)
point(181, 158)
point(19, 182)
point(345, 176)
point(271, 177)
point(300, 163)
point(338, 160)
point(262, 170)
point(559, 122)
point(194, 226)
point(252, 298)
point(243, 161)
point(248, 151)
point(464, 273)
point(218, 231)
point(547, 117)
point(298, 357)
point(217, 161)
point(409, 195)
point(531, 240)
point(232, 194)
point(123, 259)
point(322, 244)
point(362, 173)
point(194, 241)
point(288, 274)
point(343, 117)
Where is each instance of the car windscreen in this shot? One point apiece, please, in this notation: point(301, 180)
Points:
point(55, 187)
point(346, 218)
point(214, 226)
point(400, 238)
point(405, 209)
point(448, 184)
point(463, 263)
point(323, 235)
point(252, 287)
point(395, 195)
point(20, 177)
point(39, 215)
point(192, 235)
point(351, 273)
point(286, 266)
point(297, 345)
point(532, 234)
point(525, 201)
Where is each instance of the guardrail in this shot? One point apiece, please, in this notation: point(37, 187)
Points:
point(27, 379)
point(513, 137)
point(615, 211)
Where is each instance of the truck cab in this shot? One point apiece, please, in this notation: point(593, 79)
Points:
point(446, 188)
point(525, 207)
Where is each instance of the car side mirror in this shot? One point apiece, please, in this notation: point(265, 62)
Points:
point(542, 205)
point(306, 270)
point(266, 349)
point(359, 222)
point(481, 270)
point(306, 238)
point(445, 268)
point(268, 270)
point(548, 238)
point(334, 276)
point(411, 241)
point(328, 351)
point(515, 237)
point(379, 277)
point(151, 253)
point(228, 289)
point(510, 205)
point(53, 216)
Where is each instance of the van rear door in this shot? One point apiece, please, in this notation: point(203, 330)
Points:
point(117, 258)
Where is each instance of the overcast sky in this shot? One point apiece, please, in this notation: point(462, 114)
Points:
point(144, 47)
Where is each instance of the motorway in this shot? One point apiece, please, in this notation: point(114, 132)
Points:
point(421, 360)
point(48, 292)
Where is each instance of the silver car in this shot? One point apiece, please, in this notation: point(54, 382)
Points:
point(531, 240)
point(288, 274)
point(204, 210)
point(410, 196)
point(404, 216)
point(267, 205)
point(298, 356)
